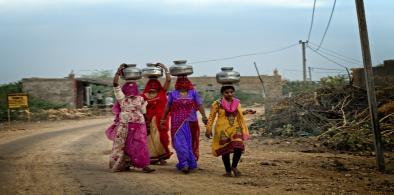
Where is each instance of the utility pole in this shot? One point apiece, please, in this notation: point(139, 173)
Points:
point(303, 59)
point(362, 25)
point(310, 73)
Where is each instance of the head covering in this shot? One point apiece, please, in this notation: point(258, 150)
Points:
point(130, 89)
point(153, 84)
point(183, 83)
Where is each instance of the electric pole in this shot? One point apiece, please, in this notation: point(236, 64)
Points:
point(303, 59)
point(370, 85)
point(310, 73)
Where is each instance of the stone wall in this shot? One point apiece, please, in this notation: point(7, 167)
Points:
point(383, 75)
point(56, 91)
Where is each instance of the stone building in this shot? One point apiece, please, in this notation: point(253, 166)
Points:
point(70, 92)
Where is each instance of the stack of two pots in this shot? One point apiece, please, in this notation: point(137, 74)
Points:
point(181, 69)
point(226, 77)
point(132, 73)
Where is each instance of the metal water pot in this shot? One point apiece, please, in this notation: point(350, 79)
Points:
point(181, 68)
point(228, 76)
point(131, 72)
point(152, 71)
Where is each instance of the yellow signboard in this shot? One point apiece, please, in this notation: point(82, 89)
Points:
point(18, 100)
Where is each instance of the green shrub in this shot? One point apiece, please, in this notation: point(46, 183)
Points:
point(297, 87)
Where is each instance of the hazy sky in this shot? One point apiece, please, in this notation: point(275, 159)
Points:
point(49, 38)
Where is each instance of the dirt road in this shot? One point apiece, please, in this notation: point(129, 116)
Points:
point(71, 157)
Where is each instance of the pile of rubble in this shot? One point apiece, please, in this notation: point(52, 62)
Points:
point(338, 116)
point(64, 114)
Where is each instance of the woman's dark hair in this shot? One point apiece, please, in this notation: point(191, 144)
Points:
point(224, 88)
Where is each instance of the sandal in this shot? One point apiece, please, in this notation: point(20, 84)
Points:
point(185, 170)
point(236, 172)
point(154, 162)
point(162, 162)
point(228, 174)
point(148, 170)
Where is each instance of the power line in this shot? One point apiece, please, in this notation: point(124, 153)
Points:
point(327, 72)
point(337, 57)
point(328, 25)
point(327, 58)
point(312, 19)
point(335, 53)
point(291, 70)
point(245, 55)
point(322, 72)
point(318, 68)
point(340, 58)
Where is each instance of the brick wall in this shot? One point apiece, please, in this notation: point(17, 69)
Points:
point(63, 91)
point(57, 91)
point(383, 75)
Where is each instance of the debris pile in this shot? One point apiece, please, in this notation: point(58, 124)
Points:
point(64, 114)
point(338, 116)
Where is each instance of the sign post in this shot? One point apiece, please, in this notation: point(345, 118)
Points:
point(9, 118)
point(17, 101)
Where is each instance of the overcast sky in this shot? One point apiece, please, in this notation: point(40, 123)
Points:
point(49, 38)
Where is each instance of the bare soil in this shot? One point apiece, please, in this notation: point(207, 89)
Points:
point(71, 157)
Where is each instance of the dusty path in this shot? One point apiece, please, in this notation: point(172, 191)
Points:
point(72, 157)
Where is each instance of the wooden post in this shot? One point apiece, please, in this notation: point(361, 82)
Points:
point(362, 24)
point(9, 119)
point(261, 80)
point(349, 76)
point(28, 115)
